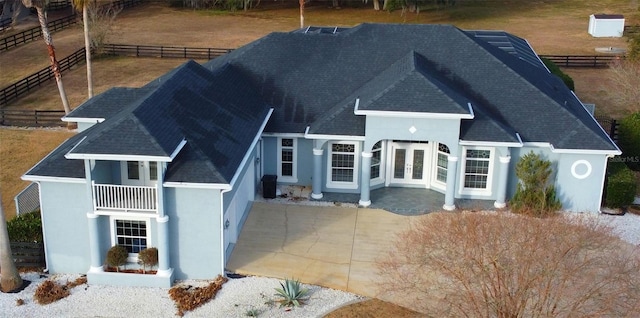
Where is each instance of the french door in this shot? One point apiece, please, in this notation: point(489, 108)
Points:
point(410, 163)
point(139, 173)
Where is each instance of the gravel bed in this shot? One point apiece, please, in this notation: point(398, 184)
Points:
point(235, 299)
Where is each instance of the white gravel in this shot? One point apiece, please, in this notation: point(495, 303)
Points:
point(235, 299)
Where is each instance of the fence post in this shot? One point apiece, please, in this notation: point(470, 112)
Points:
point(35, 115)
point(185, 52)
point(613, 130)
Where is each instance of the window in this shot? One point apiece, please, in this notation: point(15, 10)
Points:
point(376, 160)
point(132, 234)
point(343, 165)
point(477, 169)
point(153, 171)
point(287, 159)
point(443, 155)
point(133, 173)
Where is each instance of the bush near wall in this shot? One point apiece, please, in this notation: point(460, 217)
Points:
point(26, 227)
point(555, 70)
point(621, 185)
point(629, 140)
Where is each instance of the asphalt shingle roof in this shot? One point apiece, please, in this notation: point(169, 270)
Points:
point(308, 77)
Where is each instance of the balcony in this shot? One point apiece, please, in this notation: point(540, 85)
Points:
point(123, 198)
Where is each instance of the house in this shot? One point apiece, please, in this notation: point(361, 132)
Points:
point(176, 164)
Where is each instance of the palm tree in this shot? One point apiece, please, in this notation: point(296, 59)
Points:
point(39, 5)
point(301, 2)
point(10, 279)
point(87, 44)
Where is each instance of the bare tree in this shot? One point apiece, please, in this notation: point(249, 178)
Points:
point(39, 5)
point(101, 19)
point(301, 13)
point(82, 5)
point(9, 277)
point(624, 78)
point(507, 265)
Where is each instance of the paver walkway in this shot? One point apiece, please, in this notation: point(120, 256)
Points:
point(334, 247)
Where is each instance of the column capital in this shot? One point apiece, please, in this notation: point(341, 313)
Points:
point(92, 215)
point(163, 219)
point(367, 154)
point(318, 152)
point(505, 159)
point(452, 158)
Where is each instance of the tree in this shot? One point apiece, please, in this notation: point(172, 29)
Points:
point(508, 265)
point(77, 4)
point(9, 278)
point(39, 5)
point(535, 194)
point(301, 13)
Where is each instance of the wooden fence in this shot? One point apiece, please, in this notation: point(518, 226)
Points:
point(56, 25)
point(631, 29)
point(163, 51)
point(36, 32)
point(31, 118)
point(19, 88)
point(582, 60)
point(27, 254)
point(4, 23)
point(609, 125)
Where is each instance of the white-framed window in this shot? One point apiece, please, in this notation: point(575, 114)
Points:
point(132, 233)
point(343, 165)
point(287, 159)
point(442, 158)
point(477, 170)
point(376, 161)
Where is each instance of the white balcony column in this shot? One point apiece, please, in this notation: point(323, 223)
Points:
point(160, 188)
point(316, 186)
point(452, 175)
point(365, 180)
point(94, 243)
point(503, 175)
point(89, 182)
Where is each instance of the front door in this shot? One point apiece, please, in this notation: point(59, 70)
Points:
point(139, 173)
point(409, 163)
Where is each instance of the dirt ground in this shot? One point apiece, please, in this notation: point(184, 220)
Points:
point(551, 26)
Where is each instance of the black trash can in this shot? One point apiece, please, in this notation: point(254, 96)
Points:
point(269, 186)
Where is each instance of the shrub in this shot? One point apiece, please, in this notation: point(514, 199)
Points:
point(629, 140)
point(50, 291)
point(534, 195)
point(148, 258)
point(291, 293)
point(25, 227)
point(621, 185)
point(188, 298)
point(508, 265)
point(117, 256)
point(555, 70)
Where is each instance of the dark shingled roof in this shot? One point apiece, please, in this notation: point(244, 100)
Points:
point(309, 76)
point(217, 113)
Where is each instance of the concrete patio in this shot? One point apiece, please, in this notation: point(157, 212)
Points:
point(334, 247)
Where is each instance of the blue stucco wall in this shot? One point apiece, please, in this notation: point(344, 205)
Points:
point(578, 195)
point(64, 212)
point(194, 231)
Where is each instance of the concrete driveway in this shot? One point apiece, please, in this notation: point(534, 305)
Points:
point(334, 247)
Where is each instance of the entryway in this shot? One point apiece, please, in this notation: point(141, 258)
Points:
point(410, 163)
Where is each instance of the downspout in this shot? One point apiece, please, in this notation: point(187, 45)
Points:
point(222, 247)
point(44, 234)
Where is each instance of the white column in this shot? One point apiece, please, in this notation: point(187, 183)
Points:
point(365, 180)
point(163, 246)
point(94, 244)
point(316, 186)
point(503, 176)
point(452, 175)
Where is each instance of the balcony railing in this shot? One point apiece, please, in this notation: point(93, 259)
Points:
point(110, 197)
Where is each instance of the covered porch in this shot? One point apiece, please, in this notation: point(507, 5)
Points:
point(407, 201)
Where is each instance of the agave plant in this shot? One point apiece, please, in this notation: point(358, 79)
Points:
point(291, 293)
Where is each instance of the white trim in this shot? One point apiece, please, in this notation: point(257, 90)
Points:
point(52, 179)
point(178, 148)
point(380, 179)
point(318, 152)
point(594, 119)
point(366, 154)
point(82, 120)
point(435, 183)
point(116, 157)
point(307, 135)
point(283, 135)
point(317, 196)
point(499, 205)
point(582, 175)
point(356, 165)
point(364, 204)
point(504, 159)
point(449, 207)
point(572, 151)
point(395, 114)
point(217, 186)
point(477, 191)
point(489, 143)
point(293, 178)
point(223, 248)
point(133, 257)
point(604, 175)
point(122, 214)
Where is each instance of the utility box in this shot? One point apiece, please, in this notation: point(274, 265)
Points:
point(269, 183)
point(606, 25)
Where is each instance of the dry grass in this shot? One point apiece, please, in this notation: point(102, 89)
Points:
point(189, 298)
point(20, 149)
point(50, 291)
